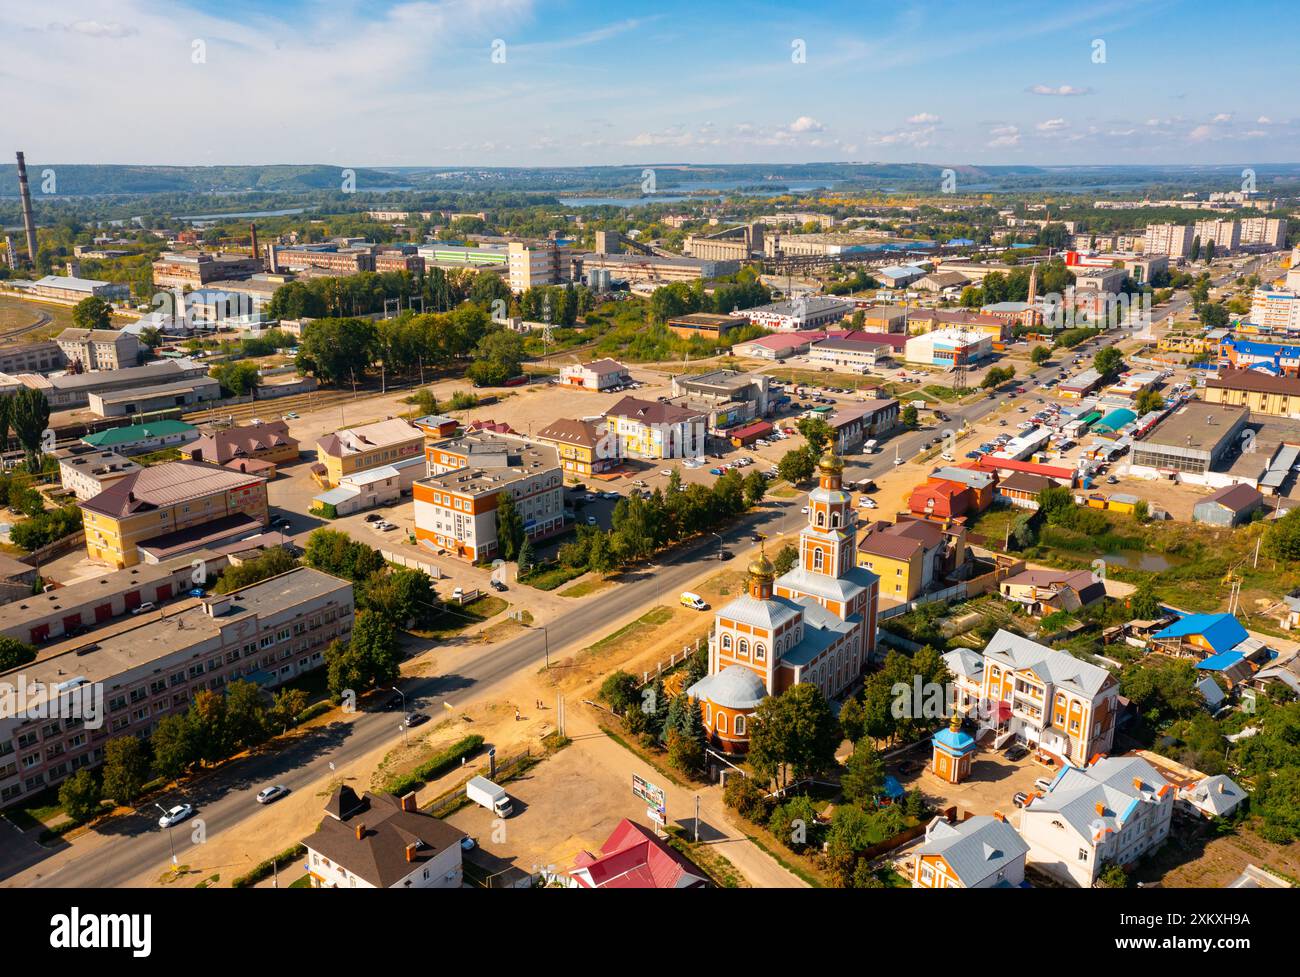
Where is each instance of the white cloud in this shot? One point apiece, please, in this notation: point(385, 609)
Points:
point(1222, 117)
point(1004, 135)
point(1052, 125)
point(94, 28)
point(1264, 120)
point(1201, 133)
point(923, 118)
point(1066, 90)
point(806, 124)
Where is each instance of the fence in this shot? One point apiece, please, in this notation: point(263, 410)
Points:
point(58, 548)
point(956, 591)
point(675, 659)
point(412, 563)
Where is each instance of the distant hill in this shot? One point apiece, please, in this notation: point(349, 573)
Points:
point(86, 180)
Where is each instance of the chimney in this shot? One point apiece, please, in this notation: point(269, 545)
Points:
point(408, 801)
point(252, 229)
point(411, 849)
point(29, 222)
point(1101, 809)
point(1223, 788)
point(361, 830)
point(1000, 816)
point(1137, 784)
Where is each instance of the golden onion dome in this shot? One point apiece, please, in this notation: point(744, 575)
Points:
point(762, 567)
point(830, 462)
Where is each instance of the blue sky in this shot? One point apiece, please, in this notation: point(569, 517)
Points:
point(575, 82)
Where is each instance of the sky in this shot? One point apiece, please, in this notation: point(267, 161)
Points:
point(574, 82)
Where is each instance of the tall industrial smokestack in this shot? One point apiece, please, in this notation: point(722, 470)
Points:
point(252, 229)
point(28, 221)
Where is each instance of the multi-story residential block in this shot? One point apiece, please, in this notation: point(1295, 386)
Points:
point(99, 349)
point(582, 446)
point(378, 841)
point(1225, 235)
point(129, 676)
point(531, 266)
point(1264, 233)
point(1054, 701)
point(1108, 812)
point(815, 624)
point(1173, 240)
point(456, 505)
point(597, 375)
point(653, 429)
point(982, 852)
point(94, 601)
point(1276, 310)
point(171, 508)
point(357, 449)
point(85, 471)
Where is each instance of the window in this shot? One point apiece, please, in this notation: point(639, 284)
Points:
point(1083, 854)
point(722, 722)
point(760, 653)
point(740, 725)
point(742, 647)
point(726, 642)
point(818, 559)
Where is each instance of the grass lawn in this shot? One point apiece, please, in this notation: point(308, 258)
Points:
point(552, 576)
point(504, 629)
point(585, 588)
point(634, 633)
point(456, 619)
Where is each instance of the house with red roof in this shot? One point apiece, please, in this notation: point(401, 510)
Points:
point(633, 858)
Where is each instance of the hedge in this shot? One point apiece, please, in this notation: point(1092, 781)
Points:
point(435, 766)
point(269, 866)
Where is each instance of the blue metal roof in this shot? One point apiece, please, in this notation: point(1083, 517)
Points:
point(1222, 632)
point(1221, 662)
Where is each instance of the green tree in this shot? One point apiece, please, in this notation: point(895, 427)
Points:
point(793, 733)
point(786, 558)
point(1108, 360)
point(343, 670)
point(618, 691)
point(375, 643)
point(910, 417)
point(270, 563)
point(1282, 538)
point(797, 465)
point(245, 715)
point(237, 379)
point(92, 313)
point(510, 527)
point(403, 596)
point(337, 351)
point(1040, 355)
point(744, 795)
point(864, 773)
point(14, 653)
point(1143, 603)
point(755, 489)
point(817, 432)
point(80, 796)
point(173, 746)
point(285, 709)
point(126, 769)
point(29, 414)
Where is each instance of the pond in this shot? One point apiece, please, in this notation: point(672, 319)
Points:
point(1142, 560)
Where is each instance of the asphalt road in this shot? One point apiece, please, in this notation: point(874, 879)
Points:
point(225, 798)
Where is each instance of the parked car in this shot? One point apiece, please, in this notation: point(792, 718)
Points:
point(867, 502)
point(374, 517)
point(1043, 784)
point(497, 585)
point(1020, 799)
point(458, 593)
point(468, 844)
point(414, 719)
point(268, 795)
point(145, 608)
point(1015, 752)
point(176, 815)
point(591, 520)
point(1112, 480)
point(197, 592)
point(290, 416)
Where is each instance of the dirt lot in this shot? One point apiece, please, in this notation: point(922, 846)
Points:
point(1196, 859)
point(993, 782)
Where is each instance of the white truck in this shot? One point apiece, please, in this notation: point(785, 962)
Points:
point(482, 791)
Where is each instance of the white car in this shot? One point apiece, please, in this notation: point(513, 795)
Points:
point(666, 472)
point(268, 795)
point(178, 814)
point(867, 502)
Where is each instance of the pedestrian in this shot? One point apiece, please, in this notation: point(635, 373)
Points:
point(516, 714)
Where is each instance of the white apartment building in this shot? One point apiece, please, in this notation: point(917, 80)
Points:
point(86, 471)
point(1111, 812)
point(1276, 309)
point(1174, 240)
point(1225, 235)
point(1266, 233)
point(531, 266)
point(99, 349)
point(1051, 700)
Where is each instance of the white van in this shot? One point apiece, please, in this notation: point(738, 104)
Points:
point(694, 601)
point(871, 447)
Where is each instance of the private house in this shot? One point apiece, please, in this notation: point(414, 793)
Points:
point(982, 852)
point(632, 857)
point(1043, 591)
point(1200, 635)
point(1050, 700)
point(1213, 797)
point(910, 557)
point(377, 841)
point(142, 438)
point(1113, 810)
point(1229, 506)
point(1022, 489)
point(655, 430)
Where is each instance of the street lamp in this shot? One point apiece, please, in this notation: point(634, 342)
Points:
point(171, 844)
point(403, 695)
point(719, 535)
point(546, 639)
